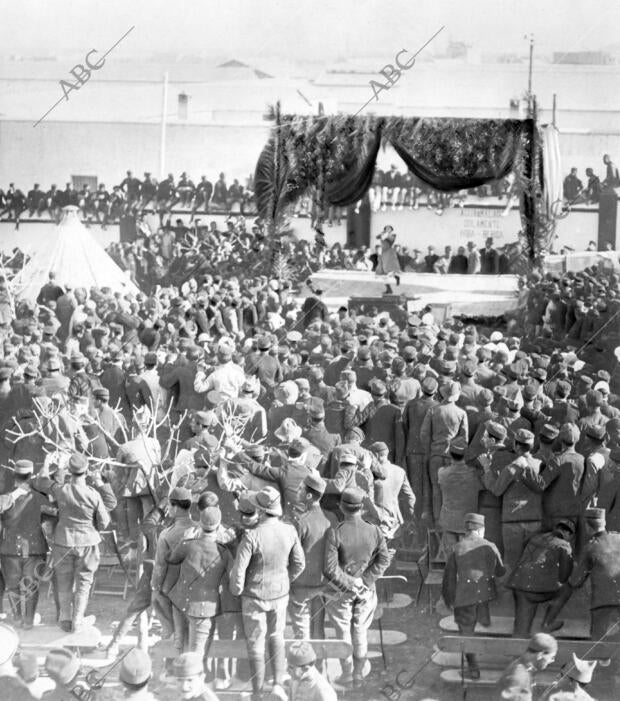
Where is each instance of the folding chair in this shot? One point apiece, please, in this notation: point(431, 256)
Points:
point(112, 561)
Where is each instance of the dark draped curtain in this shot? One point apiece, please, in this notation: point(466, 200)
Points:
point(446, 154)
point(354, 185)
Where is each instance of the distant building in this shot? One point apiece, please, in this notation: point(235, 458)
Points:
point(583, 58)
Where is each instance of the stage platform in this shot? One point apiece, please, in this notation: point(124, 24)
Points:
point(471, 295)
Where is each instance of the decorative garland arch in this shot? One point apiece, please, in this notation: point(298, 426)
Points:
point(334, 158)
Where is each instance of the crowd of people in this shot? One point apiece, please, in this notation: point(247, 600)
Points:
point(130, 198)
point(133, 197)
point(261, 458)
point(574, 191)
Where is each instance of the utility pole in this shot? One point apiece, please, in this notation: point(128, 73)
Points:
point(162, 142)
point(529, 75)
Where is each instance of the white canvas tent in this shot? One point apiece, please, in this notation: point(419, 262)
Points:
point(72, 252)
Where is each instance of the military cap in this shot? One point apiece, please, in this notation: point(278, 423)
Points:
point(347, 457)
point(586, 380)
point(569, 433)
point(316, 408)
point(529, 392)
point(77, 359)
point(9, 642)
point(136, 667)
point(542, 642)
point(450, 390)
point(257, 451)
point(352, 497)
point(24, 467)
point(31, 371)
point(496, 430)
point(294, 336)
point(101, 393)
point(316, 482)
point(409, 354)
point(268, 500)
point(484, 397)
point(206, 418)
point(264, 342)
point(348, 375)
point(483, 354)
point(475, 520)
point(429, 385)
point(5, 374)
point(602, 386)
point(62, 665)
point(458, 446)
point(549, 432)
point(356, 433)
point(246, 506)
point(363, 353)
point(210, 518)
point(301, 653)
point(189, 664)
point(378, 388)
point(378, 447)
point(562, 389)
point(180, 494)
point(524, 437)
point(469, 368)
point(512, 403)
point(566, 524)
point(54, 363)
point(595, 432)
point(78, 464)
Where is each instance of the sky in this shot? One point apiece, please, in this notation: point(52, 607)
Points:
point(302, 30)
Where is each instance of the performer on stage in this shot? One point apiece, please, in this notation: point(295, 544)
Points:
point(388, 259)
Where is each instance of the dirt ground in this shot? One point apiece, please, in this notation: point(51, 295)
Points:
point(409, 674)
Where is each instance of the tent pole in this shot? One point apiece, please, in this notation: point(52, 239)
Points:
point(162, 143)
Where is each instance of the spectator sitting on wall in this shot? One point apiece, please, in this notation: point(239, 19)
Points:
point(572, 186)
point(593, 190)
point(612, 179)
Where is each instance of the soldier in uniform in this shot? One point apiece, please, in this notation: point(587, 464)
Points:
point(318, 434)
point(600, 561)
point(521, 505)
point(268, 558)
point(469, 582)
point(544, 566)
point(165, 574)
point(390, 491)
point(413, 416)
point(83, 511)
point(517, 681)
point(23, 546)
point(196, 592)
point(306, 601)
point(460, 486)
point(356, 555)
point(440, 426)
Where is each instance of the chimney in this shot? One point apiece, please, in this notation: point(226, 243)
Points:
point(183, 106)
